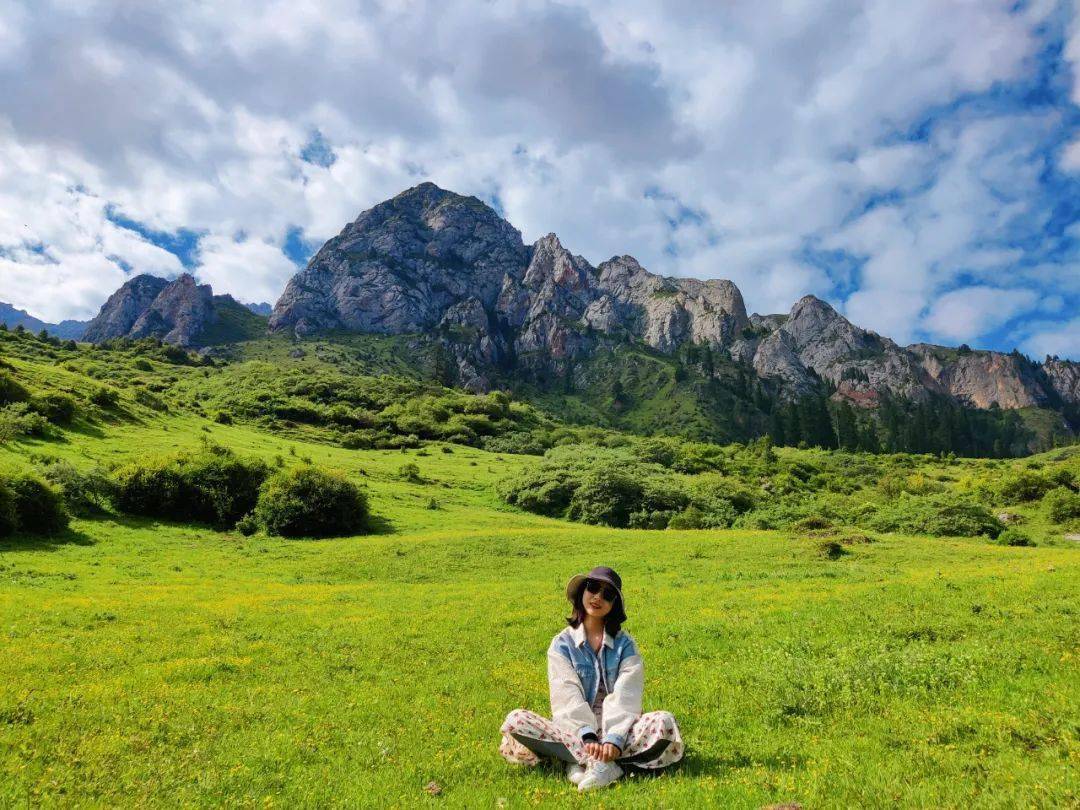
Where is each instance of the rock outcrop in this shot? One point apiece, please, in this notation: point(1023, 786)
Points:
point(815, 338)
point(430, 259)
point(1063, 377)
point(448, 267)
point(181, 312)
point(981, 379)
point(402, 264)
point(125, 306)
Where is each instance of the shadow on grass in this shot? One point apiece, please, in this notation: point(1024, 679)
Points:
point(85, 428)
point(380, 525)
point(41, 542)
point(376, 525)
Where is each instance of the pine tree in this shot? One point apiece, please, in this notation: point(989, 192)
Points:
point(847, 430)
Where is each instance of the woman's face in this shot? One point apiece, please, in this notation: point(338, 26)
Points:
point(594, 603)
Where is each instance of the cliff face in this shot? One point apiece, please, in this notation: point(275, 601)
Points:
point(433, 261)
point(181, 311)
point(982, 379)
point(1063, 376)
point(123, 308)
point(402, 264)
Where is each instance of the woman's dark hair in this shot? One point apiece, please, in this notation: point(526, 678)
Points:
point(612, 622)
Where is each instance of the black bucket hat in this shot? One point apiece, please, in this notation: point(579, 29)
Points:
point(603, 574)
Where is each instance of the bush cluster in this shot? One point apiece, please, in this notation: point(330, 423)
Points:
point(1062, 505)
point(212, 486)
point(307, 502)
point(84, 493)
point(217, 487)
point(29, 504)
point(665, 483)
point(19, 419)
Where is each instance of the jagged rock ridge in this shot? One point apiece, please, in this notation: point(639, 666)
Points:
point(430, 260)
point(181, 311)
point(433, 261)
point(436, 263)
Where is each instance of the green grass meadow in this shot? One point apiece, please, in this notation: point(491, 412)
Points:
point(165, 664)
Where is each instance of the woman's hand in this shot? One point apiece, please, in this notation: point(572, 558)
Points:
point(605, 752)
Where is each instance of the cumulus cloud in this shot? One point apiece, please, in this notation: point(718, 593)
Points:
point(706, 140)
point(973, 311)
point(248, 269)
point(1057, 338)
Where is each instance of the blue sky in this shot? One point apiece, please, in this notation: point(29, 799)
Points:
point(915, 164)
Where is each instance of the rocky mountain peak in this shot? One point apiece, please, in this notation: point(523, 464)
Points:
point(432, 261)
point(180, 311)
point(124, 307)
point(401, 264)
point(551, 262)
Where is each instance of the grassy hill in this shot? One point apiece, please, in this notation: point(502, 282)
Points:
point(171, 664)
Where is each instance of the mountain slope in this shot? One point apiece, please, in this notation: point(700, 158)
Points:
point(434, 262)
point(179, 311)
point(12, 317)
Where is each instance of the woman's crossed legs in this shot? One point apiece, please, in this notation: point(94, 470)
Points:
point(653, 741)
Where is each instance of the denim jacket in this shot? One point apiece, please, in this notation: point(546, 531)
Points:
point(574, 676)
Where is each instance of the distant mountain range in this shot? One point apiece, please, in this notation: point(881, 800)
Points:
point(447, 267)
point(133, 301)
point(12, 317)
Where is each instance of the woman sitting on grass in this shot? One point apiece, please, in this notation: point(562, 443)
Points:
point(596, 679)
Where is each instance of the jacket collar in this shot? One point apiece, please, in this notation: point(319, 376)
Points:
point(581, 638)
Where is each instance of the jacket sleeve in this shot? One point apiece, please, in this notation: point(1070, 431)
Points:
point(623, 705)
point(569, 708)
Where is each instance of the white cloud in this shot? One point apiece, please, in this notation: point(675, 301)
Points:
point(605, 121)
point(973, 311)
point(250, 269)
point(1053, 338)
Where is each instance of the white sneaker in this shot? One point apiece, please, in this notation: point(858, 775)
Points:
point(599, 774)
point(574, 772)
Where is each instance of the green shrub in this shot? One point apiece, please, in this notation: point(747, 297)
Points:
point(10, 390)
point(307, 502)
point(84, 493)
point(59, 408)
point(148, 400)
point(409, 472)
point(247, 525)
point(718, 493)
point(1025, 485)
point(213, 486)
point(1013, 537)
point(105, 397)
point(607, 496)
point(831, 549)
point(655, 519)
point(19, 420)
point(9, 519)
point(358, 440)
point(39, 509)
point(543, 490)
point(939, 517)
point(223, 418)
point(143, 365)
point(812, 523)
point(1062, 505)
point(692, 518)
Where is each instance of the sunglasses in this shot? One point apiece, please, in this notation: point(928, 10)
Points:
point(606, 592)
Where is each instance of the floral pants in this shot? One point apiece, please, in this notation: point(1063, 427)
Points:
point(653, 742)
